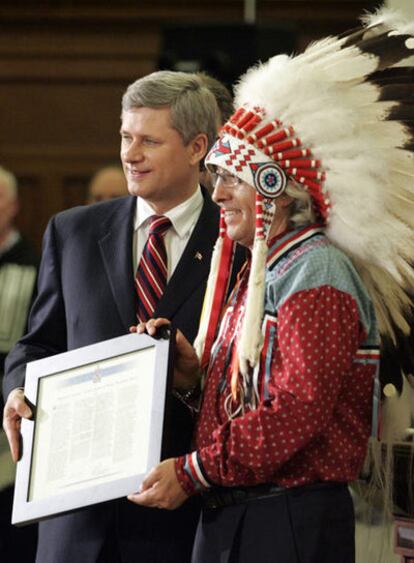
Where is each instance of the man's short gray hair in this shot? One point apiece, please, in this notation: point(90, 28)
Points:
point(9, 180)
point(193, 107)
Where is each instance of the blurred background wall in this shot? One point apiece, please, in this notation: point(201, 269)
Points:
point(64, 66)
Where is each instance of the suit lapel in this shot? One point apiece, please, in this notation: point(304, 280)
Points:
point(194, 265)
point(116, 250)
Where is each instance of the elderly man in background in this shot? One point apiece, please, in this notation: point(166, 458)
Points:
point(224, 101)
point(18, 268)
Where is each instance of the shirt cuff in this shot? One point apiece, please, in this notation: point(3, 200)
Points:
point(191, 474)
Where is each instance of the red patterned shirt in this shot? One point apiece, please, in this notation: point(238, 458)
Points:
point(315, 382)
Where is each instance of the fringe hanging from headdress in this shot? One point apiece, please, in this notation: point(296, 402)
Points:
point(251, 340)
point(217, 286)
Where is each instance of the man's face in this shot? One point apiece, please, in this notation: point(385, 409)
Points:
point(157, 165)
point(239, 204)
point(8, 209)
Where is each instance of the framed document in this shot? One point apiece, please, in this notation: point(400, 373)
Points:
point(97, 425)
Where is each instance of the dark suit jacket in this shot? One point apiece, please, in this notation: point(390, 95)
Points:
point(86, 295)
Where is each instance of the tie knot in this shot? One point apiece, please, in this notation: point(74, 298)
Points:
point(159, 225)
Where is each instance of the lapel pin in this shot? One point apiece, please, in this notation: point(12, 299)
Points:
point(199, 256)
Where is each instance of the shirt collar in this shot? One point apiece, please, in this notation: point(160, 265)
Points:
point(280, 245)
point(182, 216)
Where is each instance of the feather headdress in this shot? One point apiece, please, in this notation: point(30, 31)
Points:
point(337, 120)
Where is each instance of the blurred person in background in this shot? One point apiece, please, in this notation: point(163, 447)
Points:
point(224, 101)
point(18, 269)
point(18, 266)
point(107, 183)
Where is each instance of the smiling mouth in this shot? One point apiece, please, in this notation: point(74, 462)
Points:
point(137, 174)
point(231, 213)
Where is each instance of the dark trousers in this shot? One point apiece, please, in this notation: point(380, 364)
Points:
point(17, 545)
point(119, 532)
point(303, 525)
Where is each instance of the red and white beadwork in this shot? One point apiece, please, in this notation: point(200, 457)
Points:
point(270, 180)
point(265, 155)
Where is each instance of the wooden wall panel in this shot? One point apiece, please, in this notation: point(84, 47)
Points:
point(61, 84)
point(55, 132)
point(64, 66)
point(74, 189)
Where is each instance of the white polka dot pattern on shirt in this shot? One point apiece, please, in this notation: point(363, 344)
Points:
point(315, 424)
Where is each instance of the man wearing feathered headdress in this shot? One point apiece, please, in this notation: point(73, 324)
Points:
point(313, 174)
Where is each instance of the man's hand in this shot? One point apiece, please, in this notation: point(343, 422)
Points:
point(186, 364)
point(160, 488)
point(15, 409)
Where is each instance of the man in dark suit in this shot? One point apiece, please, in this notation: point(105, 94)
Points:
point(86, 294)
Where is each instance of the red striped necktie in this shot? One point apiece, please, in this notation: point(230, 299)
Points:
point(151, 276)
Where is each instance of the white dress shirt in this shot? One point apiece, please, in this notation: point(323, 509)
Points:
point(183, 220)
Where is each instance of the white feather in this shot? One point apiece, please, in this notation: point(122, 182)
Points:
point(251, 339)
point(327, 96)
point(208, 299)
point(387, 18)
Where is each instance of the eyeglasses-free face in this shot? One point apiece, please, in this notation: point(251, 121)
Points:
point(157, 164)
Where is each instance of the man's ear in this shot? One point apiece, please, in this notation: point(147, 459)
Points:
point(197, 148)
